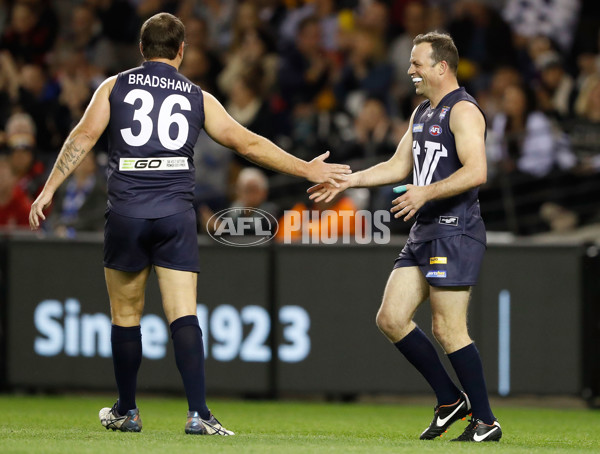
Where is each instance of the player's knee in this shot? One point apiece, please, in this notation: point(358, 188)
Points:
point(124, 313)
point(389, 323)
point(447, 335)
point(441, 331)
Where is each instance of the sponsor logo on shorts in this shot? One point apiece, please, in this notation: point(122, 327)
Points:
point(418, 127)
point(435, 130)
point(438, 260)
point(145, 164)
point(448, 220)
point(242, 227)
point(436, 274)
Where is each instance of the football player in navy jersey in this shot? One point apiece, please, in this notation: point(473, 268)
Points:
point(444, 148)
point(154, 115)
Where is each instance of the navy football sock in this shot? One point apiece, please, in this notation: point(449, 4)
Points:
point(469, 370)
point(189, 356)
point(127, 356)
point(420, 352)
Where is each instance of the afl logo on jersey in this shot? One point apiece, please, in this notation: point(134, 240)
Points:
point(435, 130)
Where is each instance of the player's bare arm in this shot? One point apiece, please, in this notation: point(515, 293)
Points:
point(468, 126)
point(225, 130)
point(395, 169)
point(80, 141)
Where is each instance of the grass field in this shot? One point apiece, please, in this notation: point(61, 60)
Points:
point(70, 424)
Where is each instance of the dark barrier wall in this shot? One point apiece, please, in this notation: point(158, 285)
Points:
point(528, 296)
point(292, 319)
point(59, 325)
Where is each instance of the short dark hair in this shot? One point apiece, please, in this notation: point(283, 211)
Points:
point(443, 48)
point(161, 36)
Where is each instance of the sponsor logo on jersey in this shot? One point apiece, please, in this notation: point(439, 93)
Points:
point(143, 164)
point(438, 260)
point(435, 130)
point(448, 220)
point(444, 111)
point(418, 127)
point(437, 274)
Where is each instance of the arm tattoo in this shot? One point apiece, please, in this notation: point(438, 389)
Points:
point(60, 166)
point(70, 156)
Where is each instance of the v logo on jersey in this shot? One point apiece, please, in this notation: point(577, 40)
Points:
point(442, 421)
point(433, 152)
point(485, 435)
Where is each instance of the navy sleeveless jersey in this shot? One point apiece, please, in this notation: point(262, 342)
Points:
point(156, 115)
point(434, 159)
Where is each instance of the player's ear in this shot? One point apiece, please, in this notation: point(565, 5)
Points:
point(443, 67)
point(141, 49)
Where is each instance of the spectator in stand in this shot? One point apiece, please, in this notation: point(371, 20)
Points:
point(375, 16)
point(305, 68)
point(252, 191)
point(588, 101)
point(77, 79)
point(483, 40)
point(30, 33)
point(84, 34)
point(218, 15)
point(272, 14)
point(27, 169)
point(9, 85)
point(585, 129)
point(196, 36)
point(256, 49)
point(14, 203)
point(376, 134)
point(524, 139)
point(491, 99)
point(38, 96)
point(556, 89)
point(245, 19)
point(80, 202)
point(120, 25)
point(303, 80)
point(324, 11)
point(199, 67)
point(532, 158)
point(366, 73)
point(414, 23)
point(246, 105)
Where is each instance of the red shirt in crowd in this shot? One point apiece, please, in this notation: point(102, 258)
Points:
point(15, 213)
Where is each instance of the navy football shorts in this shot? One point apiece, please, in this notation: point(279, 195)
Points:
point(132, 244)
point(452, 261)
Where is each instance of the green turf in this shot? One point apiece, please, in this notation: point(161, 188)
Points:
point(70, 425)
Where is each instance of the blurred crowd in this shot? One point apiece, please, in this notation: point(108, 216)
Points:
point(312, 76)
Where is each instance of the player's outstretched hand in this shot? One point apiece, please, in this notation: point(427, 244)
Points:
point(410, 202)
point(321, 172)
point(326, 191)
point(37, 209)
